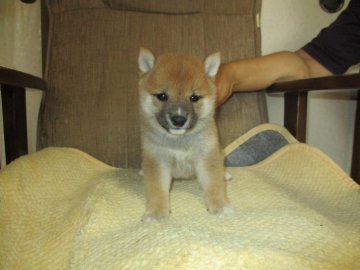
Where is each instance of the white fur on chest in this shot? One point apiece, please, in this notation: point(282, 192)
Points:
point(180, 158)
point(182, 165)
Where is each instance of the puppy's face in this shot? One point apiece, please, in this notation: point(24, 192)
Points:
point(177, 90)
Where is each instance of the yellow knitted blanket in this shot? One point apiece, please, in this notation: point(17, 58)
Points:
point(62, 209)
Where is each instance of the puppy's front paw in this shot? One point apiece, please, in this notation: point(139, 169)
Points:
point(227, 209)
point(155, 215)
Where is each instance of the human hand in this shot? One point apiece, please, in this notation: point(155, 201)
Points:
point(223, 84)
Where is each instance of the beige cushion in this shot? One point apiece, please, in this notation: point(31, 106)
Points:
point(62, 209)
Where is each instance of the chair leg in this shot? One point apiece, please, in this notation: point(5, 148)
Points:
point(14, 118)
point(295, 114)
point(355, 165)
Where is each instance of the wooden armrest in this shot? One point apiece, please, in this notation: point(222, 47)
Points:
point(20, 79)
point(331, 82)
point(295, 93)
point(12, 86)
point(296, 97)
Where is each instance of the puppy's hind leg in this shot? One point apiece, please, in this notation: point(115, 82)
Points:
point(157, 181)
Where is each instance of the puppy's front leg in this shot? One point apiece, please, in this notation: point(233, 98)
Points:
point(157, 181)
point(210, 173)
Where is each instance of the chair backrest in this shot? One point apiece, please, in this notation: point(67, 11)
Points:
point(91, 67)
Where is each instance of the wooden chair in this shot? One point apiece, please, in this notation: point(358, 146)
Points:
point(90, 74)
point(90, 51)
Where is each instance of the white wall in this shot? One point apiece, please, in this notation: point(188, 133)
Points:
point(288, 25)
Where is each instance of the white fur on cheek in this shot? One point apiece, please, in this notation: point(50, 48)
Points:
point(147, 104)
point(208, 107)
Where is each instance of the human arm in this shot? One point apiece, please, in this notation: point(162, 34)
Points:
point(332, 51)
point(260, 72)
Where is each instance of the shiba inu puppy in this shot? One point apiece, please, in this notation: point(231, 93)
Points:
point(178, 130)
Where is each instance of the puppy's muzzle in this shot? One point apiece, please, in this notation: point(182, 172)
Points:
point(178, 120)
point(178, 123)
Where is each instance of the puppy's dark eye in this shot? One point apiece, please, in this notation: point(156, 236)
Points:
point(194, 98)
point(161, 96)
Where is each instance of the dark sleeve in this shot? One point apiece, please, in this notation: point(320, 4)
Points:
point(337, 47)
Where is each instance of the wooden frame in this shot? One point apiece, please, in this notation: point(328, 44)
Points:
point(12, 85)
point(296, 107)
point(355, 165)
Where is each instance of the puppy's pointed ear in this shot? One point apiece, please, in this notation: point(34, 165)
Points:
point(146, 60)
point(212, 63)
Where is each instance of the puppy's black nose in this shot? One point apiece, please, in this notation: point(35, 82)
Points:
point(178, 120)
